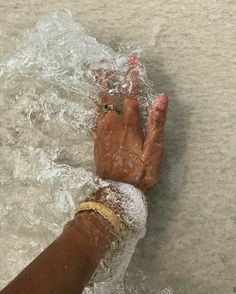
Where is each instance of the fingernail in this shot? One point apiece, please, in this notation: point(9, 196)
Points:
point(160, 103)
point(133, 59)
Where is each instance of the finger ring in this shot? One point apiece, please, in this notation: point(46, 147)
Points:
point(108, 107)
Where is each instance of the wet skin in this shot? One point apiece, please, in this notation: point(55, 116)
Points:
point(122, 152)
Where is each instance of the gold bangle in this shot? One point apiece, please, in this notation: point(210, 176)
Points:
point(104, 211)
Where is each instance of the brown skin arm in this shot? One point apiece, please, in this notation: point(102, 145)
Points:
point(121, 154)
point(68, 264)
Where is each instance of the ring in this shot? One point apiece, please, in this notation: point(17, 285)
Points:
point(109, 107)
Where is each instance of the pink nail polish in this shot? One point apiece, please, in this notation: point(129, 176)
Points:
point(133, 59)
point(160, 103)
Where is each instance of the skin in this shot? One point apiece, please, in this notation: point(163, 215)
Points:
point(122, 153)
point(68, 264)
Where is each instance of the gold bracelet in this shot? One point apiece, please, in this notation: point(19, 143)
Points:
point(104, 211)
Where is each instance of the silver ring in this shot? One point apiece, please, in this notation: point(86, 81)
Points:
point(108, 107)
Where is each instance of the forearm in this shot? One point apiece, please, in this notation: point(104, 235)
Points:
point(68, 264)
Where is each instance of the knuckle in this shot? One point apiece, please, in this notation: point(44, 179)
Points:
point(160, 123)
point(158, 120)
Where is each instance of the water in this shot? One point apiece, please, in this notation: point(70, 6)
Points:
point(48, 109)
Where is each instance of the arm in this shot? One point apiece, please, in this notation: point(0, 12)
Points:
point(68, 264)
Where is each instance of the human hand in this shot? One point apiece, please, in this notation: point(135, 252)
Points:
point(121, 151)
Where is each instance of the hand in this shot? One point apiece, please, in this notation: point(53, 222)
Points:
point(121, 151)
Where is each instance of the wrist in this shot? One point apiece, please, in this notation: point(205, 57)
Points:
point(129, 205)
point(92, 233)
